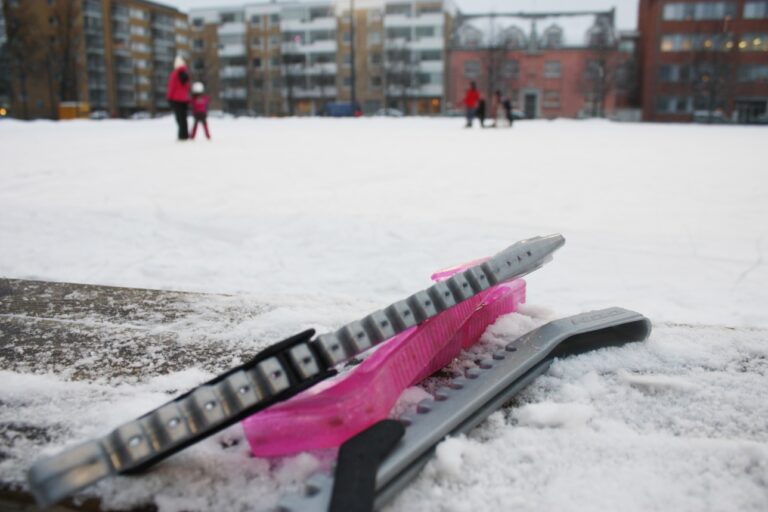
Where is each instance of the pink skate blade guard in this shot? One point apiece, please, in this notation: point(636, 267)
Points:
point(334, 410)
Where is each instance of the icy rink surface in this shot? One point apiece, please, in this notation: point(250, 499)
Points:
point(330, 219)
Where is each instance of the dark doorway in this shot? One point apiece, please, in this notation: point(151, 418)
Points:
point(751, 111)
point(530, 105)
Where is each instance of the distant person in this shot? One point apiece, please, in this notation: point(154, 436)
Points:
point(507, 104)
point(470, 101)
point(178, 95)
point(498, 112)
point(200, 109)
point(481, 112)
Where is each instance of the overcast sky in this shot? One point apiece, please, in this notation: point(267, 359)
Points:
point(626, 10)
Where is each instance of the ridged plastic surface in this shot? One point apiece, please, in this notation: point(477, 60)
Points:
point(333, 411)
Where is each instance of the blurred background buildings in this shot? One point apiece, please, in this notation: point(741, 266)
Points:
point(687, 60)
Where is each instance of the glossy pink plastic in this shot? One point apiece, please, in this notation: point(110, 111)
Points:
point(336, 409)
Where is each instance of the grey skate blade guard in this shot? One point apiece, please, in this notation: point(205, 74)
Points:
point(470, 398)
point(275, 374)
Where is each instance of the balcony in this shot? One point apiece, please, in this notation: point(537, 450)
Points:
point(328, 23)
point(427, 43)
point(232, 50)
point(310, 92)
point(424, 20)
point(323, 46)
point(232, 72)
point(234, 28)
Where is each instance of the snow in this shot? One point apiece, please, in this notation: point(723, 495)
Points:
point(315, 222)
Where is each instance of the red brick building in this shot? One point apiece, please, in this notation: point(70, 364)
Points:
point(550, 64)
point(704, 60)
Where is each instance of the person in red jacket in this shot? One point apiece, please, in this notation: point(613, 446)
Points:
point(471, 101)
point(200, 109)
point(178, 95)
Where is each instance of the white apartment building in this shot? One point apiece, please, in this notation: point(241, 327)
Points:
point(277, 58)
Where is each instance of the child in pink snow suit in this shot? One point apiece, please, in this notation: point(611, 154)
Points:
point(200, 109)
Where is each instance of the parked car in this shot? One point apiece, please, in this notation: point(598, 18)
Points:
point(99, 115)
point(713, 117)
point(388, 112)
point(343, 110)
point(141, 115)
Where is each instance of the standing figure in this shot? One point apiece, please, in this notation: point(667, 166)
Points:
point(178, 95)
point(200, 109)
point(481, 112)
point(507, 104)
point(471, 100)
point(497, 109)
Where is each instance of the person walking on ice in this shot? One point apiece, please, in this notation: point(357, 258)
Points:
point(471, 101)
point(200, 109)
point(178, 95)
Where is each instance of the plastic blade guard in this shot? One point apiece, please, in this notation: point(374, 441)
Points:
point(275, 374)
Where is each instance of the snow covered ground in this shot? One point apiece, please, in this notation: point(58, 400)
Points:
point(328, 219)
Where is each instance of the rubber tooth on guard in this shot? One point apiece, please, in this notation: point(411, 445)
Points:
point(331, 349)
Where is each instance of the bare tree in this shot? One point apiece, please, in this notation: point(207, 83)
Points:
point(712, 71)
point(600, 73)
point(27, 50)
point(67, 48)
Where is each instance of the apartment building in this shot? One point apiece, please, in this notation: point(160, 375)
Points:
point(704, 60)
point(550, 65)
point(295, 58)
point(114, 55)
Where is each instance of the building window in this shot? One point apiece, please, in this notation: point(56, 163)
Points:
point(374, 38)
point(256, 19)
point(754, 42)
point(347, 81)
point(274, 19)
point(472, 68)
point(198, 44)
point(510, 68)
point(256, 42)
point(230, 39)
point(552, 69)
point(398, 9)
point(674, 104)
point(347, 37)
point(376, 59)
point(553, 37)
point(676, 73)
point(551, 99)
point(425, 32)
point(197, 22)
point(430, 9)
point(231, 17)
point(347, 59)
point(274, 62)
point(374, 15)
point(257, 63)
point(274, 41)
point(689, 42)
point(755, 10)
point(698, 11)
point(375, 81)
point(753, 73)
point(431, 55)
point(399, 33)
